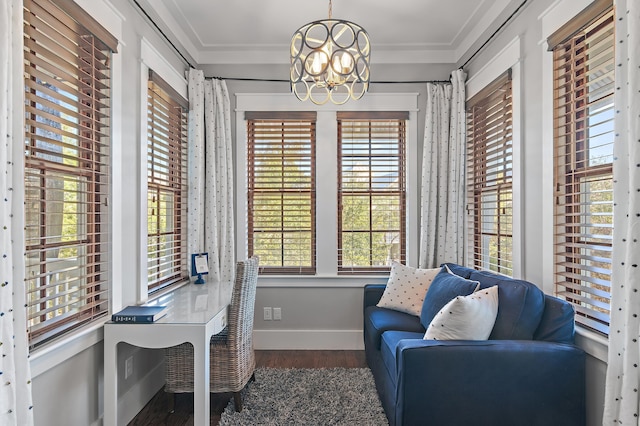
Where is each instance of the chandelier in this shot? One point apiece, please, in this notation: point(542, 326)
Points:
point(330, 61)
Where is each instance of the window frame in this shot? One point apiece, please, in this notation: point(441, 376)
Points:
point(481, 132)
point(292, 126)
point(575, 278)
point(168, 120)
point(326, 169)
point(83, 107)
point(376, 121)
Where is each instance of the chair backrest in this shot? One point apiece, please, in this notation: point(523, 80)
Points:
point(243, 297)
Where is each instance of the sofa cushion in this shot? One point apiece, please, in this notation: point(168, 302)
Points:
point(521, 306)
point(406, 288)
point(443, 289)
point(378, 320)
point(388, 343)
point(459, 270)
point(557, 323)
point(466, 317)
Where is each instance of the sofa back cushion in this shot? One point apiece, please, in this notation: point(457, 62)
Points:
point(459, 270)
point(558, 321)
point(520, 309)
point(444, 288)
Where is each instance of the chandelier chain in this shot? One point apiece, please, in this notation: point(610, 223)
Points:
point(330, 9)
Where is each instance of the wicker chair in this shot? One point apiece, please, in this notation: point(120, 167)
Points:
point(232, 362)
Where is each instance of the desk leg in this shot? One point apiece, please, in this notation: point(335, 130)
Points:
point(201, 403)
point(110, 380)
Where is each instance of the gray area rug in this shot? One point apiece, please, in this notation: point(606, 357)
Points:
point(322, 396)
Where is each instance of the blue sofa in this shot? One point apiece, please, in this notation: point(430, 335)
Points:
point(527, 373)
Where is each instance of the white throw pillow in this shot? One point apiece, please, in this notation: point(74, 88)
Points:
point(466, 317)
point(406, 288)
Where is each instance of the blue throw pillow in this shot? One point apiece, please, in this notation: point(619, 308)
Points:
point(444, 288)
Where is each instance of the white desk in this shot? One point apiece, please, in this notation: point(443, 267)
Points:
point(194, 315)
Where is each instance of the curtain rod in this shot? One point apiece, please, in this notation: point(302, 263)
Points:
point(494, 33)
point(163, 34)
point(186, 61)
point(273, 80)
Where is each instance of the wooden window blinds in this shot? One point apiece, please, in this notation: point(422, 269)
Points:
point(166, 184)
point(371, 191)
point(281, 161)
point(67, 146)
point(583, 155)
point(490, 177)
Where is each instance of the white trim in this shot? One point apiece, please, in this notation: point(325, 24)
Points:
point(509, 57)
point(142, 283)
point(150, 58)
point(153, 59)
point(279, 56)
point(412, 163)
point(555, 16)
point(53, 354)
point(288, 102)
point(592, 343)
point(117, 184)
point(326, 184)
point(308, 339)
point(320, 281)
point(506, 58)
point(106, 13)
point(518, 171)
point(176, 29)
point(548, 207)
point(326, 172)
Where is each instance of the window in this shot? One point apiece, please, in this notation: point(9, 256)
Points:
point(166, 184)
point(282, 191)
point(67, 142)
point(371, 191)
point(490, 177)
point(583, 155)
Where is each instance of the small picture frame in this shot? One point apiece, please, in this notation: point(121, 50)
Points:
point(199, 266)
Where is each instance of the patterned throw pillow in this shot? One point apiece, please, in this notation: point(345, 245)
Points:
point(406, 288)
point(466, 317)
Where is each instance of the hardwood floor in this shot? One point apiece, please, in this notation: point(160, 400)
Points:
point(156, 413)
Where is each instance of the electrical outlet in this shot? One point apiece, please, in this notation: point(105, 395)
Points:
point(128, 367)
point(277, 314)
point(267, 314)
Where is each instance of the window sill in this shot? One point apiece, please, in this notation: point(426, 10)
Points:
point(592, 343)
point(54, 354)
point(324, 281)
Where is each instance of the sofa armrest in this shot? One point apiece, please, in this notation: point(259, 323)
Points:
point(493, 382)
point(372, 294)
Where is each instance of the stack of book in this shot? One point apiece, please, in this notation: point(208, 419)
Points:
point(139, 314)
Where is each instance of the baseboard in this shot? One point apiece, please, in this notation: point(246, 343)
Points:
point(308, 339)
point(134, 400)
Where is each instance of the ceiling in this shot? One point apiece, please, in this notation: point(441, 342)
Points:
point(259, 31)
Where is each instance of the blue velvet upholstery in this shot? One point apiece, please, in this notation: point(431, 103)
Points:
point(388, 346)
point(380, 320)
point(538, 380)
point(444, 288)
point(520, 306)
point(459, 270)
point(556, 324)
